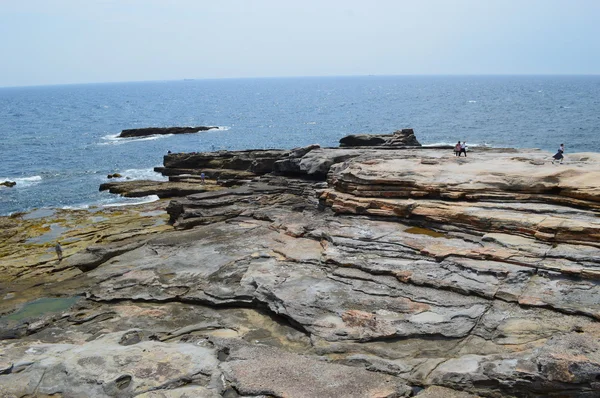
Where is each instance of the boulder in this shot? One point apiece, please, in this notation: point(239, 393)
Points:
point(400, 138)
point(363, 140)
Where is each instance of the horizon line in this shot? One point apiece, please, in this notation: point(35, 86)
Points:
point(311, 76)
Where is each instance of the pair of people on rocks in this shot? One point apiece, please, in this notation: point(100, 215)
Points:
point(460, 148)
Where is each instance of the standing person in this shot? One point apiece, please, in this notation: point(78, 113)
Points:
point(559, 154)
point(202, 176)
point(457, 149)
point(59, 251)
point(463, 148)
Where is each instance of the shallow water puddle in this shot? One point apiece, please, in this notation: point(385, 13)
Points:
point(55, 232)
point(425, 231)
point(153, 213)
point(42, 306)
point(39, 213)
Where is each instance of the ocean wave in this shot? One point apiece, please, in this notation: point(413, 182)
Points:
point(141, 174)
point(133, 201)
point(439, 144)
point(76, 207)
point(113, 139)
point(113, 201)
point(484, 145)
point(23, 182)
point(471, 101)
point(223, 128)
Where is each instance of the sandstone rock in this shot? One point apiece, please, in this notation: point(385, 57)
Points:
point(163, 189)
point(442, 392)
point(103, 368)
point(257, 161)
point(267, 371)
point(407, 268)
point(404, 137)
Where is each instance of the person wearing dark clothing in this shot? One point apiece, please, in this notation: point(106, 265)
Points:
point(559, 154)
point(463, 148)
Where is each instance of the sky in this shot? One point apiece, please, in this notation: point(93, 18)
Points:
point(73, 41)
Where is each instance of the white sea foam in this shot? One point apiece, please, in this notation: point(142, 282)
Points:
point(113, 139)
point(133, 201)
point(439, 144)
point(141, 174)
point(76, 207)
point(485, 145)
point(23, 182)
point(113, 201)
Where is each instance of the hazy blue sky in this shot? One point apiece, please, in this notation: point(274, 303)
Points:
point(78, 41)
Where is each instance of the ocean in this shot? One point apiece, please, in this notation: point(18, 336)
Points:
point(59, 142)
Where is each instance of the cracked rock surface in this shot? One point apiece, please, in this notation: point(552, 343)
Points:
point(338, 273)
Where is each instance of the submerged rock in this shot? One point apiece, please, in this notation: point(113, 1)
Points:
point(128, 133)
point(8, 184)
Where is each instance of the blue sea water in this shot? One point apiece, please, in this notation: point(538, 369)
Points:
point(59, 142)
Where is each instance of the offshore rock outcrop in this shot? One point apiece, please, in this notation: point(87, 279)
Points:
point(146, 131)
point(404, 137)
point(338, 272)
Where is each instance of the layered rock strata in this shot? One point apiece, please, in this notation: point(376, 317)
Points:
point(336, 272)
point(163, 189)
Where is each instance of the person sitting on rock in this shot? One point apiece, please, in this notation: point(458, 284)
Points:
point(457, 149)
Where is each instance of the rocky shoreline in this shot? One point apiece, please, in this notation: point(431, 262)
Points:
point(380, 270)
